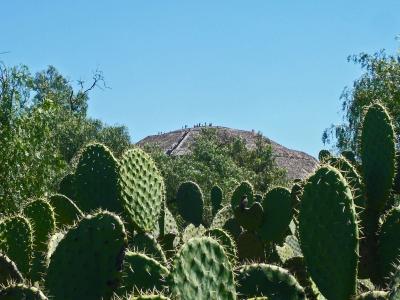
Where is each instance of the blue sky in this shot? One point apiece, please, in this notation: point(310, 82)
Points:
point(274, 66)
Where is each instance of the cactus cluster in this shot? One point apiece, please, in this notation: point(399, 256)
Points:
point(111, 234)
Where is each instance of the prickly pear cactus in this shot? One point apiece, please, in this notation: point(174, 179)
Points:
point(192, 231)
point(16, 241)
point(222, 216)
point(226, 241)
point(189, 200)
point(389, 244)
point(243, 189)
point(146, 243)
point(149, 297)
point(216, 199)
point(9, 271)
point(21, 291)
point(141, 273)
point(378, 156)
point(329, 233)
point(249, 218)
point(41, 216)
point(66, 186)
point(65, 210)
point(323, 154)
point(250, 247)
point(375, 295)
point(201, 270)
point(95, 179)
point(267, 280)
point(278, 213)
point(86, 263)
point(141, 189)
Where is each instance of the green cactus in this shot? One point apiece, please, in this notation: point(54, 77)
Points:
point(275, 283)
point(388, 245)
point(16, 241)
point(141, 189)
point(375, 295)
point(141, 272)
point(95, 179)
point(86, 263)
point(350, 157)
point(168, 243)
point(377, 155)
point(146, 243)
point(394, 292)
point(192, 231)
point(233, 228)
point(65, 210)
point(66, 186)
point(329, 233)
point(278, 212)
point(297, 267)
point(250, 247)
point(21, 292)
point(226, 241)
point(243, 189)
point(41, 216)
point(222, 216)
point(249, 218)
point(149, 297)
point(189, 201)
point(216, 198)
point(9, 271)
point(202, 260)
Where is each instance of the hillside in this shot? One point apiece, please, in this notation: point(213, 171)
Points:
point(297, 164)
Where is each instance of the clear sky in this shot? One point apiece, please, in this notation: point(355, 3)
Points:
point(274, 66)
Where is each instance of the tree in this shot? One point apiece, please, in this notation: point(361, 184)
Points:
point(380, 81)
point(43, 123)
point(223, 161)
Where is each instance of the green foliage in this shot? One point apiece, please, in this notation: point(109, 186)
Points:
point(141, 189)
point(87, 261)
point(222, 161)
point(202, 260)
point(141, 273)
point(16, 241)
point(278, 212)
point(189, 201)
point(9, 271)
point(380, 80)
point(21, 291)
point(41, 216)
point(267, 280)
point(328, 229)
point(65, 211)
point(95, 179)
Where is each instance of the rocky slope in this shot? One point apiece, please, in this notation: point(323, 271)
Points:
point(297, 164)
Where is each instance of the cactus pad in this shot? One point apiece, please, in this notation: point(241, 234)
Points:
point(141, 272)
point(226, 241)
point(189, 201)
point(267, 280)
point(249, 218)
point(278, 212)
point(146, 243)
point(41, 216)
point(329, 233)
point(244, 188)
point(95, 179)
point(201, 270)
point(21, 292)
point(9, 271)
point(375, 295)
point(141, 189)
point(378, 155)
point(16, 241)
point(216, 198)
point(65, 210)
point(87, 261)
point(250, 247)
